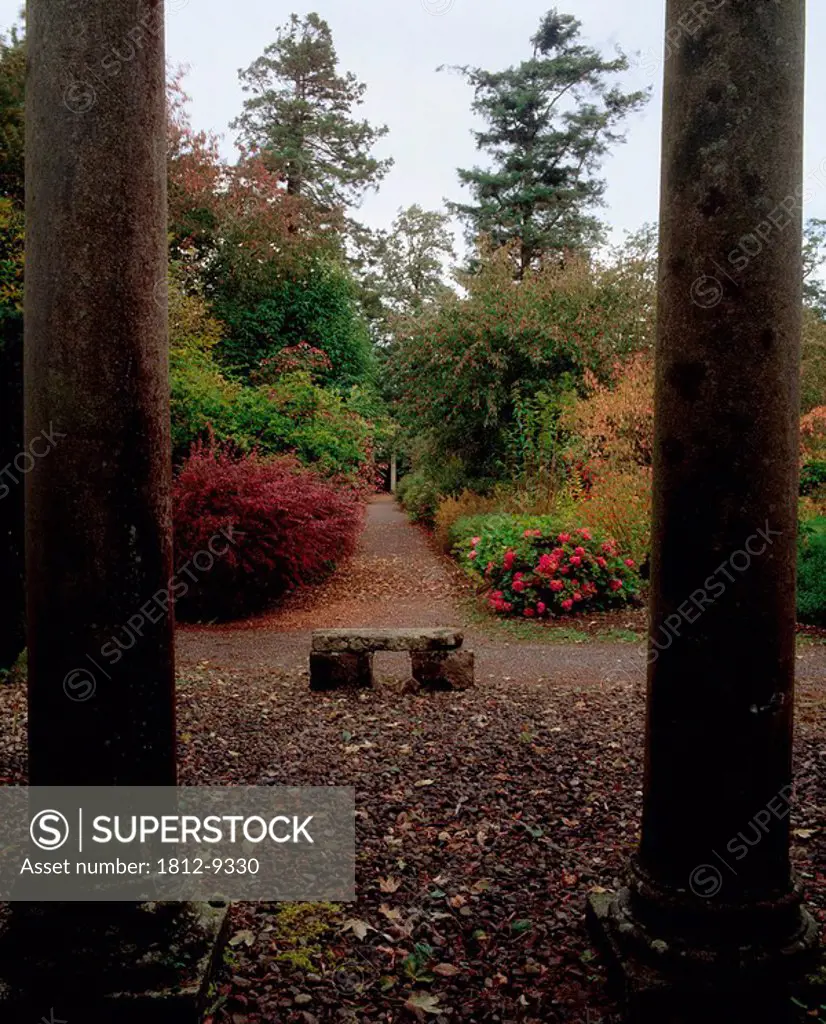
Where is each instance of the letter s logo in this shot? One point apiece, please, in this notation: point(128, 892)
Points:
point(49, 830)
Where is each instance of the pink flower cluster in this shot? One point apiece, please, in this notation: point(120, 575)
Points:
point(572, 572)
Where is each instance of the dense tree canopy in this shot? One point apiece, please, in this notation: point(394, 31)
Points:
point(401, 270)
point(316, 304)
point(471, 368)
point(412, 258)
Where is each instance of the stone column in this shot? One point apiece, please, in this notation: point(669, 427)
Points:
point(12, 450)
point(99, 548)
point(98, 522)
point(712, 873)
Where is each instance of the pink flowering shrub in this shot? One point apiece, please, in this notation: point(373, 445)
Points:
point(550, 573)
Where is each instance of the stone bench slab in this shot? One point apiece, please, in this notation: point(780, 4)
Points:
point(358, 641)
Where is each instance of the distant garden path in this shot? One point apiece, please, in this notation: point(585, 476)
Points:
point(396, 579)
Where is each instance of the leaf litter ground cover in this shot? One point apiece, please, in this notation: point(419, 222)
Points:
point(484, 818)
point(483, 821)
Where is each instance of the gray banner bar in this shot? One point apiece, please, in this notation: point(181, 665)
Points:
point(191, 843)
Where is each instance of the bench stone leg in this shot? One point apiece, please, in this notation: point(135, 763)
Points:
point(340, 671)
point(443, 670)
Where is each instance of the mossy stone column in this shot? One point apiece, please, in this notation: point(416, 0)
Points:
point(98, 517)
point(711, 888)
point(99, 539)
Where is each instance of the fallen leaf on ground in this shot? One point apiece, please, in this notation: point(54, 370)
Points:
point(357, 927)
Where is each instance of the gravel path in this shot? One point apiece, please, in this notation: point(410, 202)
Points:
point(396, 579)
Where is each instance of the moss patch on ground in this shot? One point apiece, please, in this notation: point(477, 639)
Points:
point(300, 930)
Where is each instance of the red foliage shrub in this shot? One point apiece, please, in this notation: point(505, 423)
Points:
point(300, 358)
point(288, 526)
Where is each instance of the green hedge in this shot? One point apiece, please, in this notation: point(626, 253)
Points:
point(420, 496)
point(811, 573)
point(292, 416)
point(812, 477)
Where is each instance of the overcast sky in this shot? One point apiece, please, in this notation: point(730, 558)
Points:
point(395, 46)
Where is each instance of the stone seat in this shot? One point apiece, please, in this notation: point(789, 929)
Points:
point(343, 658)
point(359, 640)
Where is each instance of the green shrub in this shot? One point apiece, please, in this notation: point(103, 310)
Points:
point(281, 410)
point(497, 533)
point(292, 416)
point(317, 306)
point(295, 415)
point(811, 573)
point(420, 497)
point(812, 477)
point(201, 400)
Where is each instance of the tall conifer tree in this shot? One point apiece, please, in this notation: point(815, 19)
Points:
point(299, 115)
point(549, 122)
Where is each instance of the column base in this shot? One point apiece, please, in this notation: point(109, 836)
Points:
point(660, 981)
point(105, 962)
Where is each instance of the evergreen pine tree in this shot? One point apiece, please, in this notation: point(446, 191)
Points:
point(549, 123)
point(299, 116)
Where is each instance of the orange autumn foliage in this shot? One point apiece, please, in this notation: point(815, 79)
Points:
point(615, 423)
point(813, 435)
